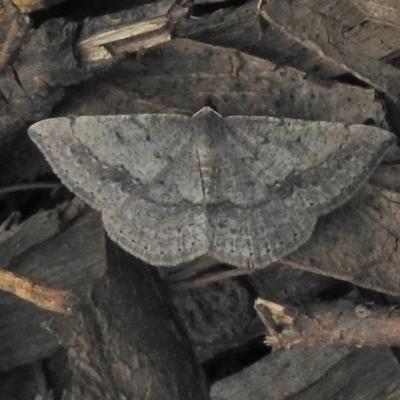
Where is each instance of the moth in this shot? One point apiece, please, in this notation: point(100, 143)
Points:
point(245, 190)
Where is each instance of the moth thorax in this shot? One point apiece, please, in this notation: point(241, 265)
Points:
point(205, 156)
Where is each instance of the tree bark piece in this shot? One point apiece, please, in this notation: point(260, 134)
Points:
point(182, 75)
point(13, 27)
point(303, 374)
point(60, 248)
point(37, 229)
point(125, 339)
point(312, 27)
point(124, 39)
point(359, 242)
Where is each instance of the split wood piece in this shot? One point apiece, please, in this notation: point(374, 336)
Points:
point(236, 27)
point(123, 39)
point(324, 38)
point(340, 323)
point(105, 39)
point(125, 339)
point(309, 373)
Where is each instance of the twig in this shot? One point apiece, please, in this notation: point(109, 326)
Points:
point(28, 186)
point(339, 323)
point(41, 296)
point(188, 270)
point(210, 278)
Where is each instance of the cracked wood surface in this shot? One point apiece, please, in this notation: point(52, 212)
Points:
point(125, 339)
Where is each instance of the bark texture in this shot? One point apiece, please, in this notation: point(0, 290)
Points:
point(125, 339)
